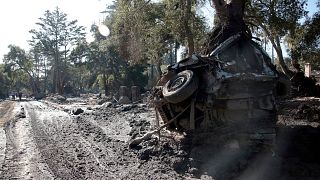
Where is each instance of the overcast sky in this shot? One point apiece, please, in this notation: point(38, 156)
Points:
point(17, 17)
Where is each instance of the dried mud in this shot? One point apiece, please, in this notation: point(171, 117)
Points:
point(50, 142)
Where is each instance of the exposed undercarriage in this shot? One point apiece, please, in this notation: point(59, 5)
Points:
point(233, 89)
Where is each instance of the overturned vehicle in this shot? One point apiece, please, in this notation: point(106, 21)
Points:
point(234, 89)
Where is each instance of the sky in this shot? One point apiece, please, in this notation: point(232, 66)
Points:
point(17, 17)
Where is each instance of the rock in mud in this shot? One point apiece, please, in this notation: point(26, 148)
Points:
point(21, 113)
point(66, 110)
point(101, 101)
point(106, 104)
point(61, 98)
point(124, 100)
point(127, 107)
point(77, 111)
point(145, 154)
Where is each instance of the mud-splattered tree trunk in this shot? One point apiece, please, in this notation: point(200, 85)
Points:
point(221, 12)
point(228, 22)
point(228, 12)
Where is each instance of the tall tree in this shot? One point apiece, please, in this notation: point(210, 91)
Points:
point(276, 18)
point(303, 42)
point(310, 43)
point(185, 24)
point(98, 58)
point(141, 33)
point(19, 61)
point(55, 36)
point(148, 30)
point(81, 71)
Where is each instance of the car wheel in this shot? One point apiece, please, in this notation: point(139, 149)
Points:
point(180, 87)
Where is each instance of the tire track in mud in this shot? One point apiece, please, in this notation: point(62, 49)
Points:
point(55, 144)
point(60, 142)
point(47, 124)
point(6, 109)
point(75, 147)
point(21, 155)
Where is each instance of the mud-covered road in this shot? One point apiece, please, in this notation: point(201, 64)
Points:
point(52, 143)
point(46, 140)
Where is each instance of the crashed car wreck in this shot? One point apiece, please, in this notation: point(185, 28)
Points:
point(233, 88)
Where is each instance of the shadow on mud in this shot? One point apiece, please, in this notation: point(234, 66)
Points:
point(298, 148)
point(294, 155)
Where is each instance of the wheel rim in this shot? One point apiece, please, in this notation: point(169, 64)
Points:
point(177, 83)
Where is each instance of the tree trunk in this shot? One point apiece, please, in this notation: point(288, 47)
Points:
point(158, 66)
point(46, 77)
point(295, 63)
point(186, 10)
point(34, 85)
point(228, 22)
point(33, 78)
point(230, 14)
point(105, 86)
point(176, 47)
point(275, 41)
point(54, 78)
point(221, 11)
point(277, 46)
point(57, 66)
point(61, 83)
point(238, 8)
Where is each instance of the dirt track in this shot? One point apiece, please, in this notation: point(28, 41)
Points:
point(52, 143)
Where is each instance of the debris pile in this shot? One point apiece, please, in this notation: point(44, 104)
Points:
point(299, 111)
point(303, 86)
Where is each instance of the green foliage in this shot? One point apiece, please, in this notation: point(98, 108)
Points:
point(135, 76)
point(60, 58)
point(276, 18)
point(133, 26)
point(20, 69)
point(17, 58)
point(54, 38)
point(4, 82)
point(148, 30)
point(304, 41)
point(178, 18)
